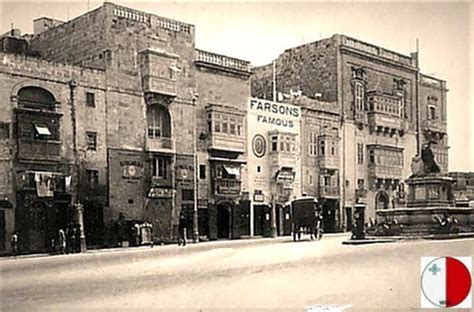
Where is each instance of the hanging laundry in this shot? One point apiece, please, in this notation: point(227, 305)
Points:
point(44, 184)
point(67, 182)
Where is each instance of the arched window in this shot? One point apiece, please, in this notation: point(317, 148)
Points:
point(35, 98)
point(159, 122)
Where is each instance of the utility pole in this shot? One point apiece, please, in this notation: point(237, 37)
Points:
point(77, 208)
point(273, 208)
point(195, 175)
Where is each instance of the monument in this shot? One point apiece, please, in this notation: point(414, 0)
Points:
point(429, 208)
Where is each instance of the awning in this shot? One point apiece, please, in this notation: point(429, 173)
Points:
point(232, 170)
point(42, 130)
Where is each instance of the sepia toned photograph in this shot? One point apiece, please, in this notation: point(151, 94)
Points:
point(236, 156)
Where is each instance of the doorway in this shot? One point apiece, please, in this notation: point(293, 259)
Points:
point(348, 219)
point(381, 201)
point(258, 219)
point(223, 221)
point(2, 230)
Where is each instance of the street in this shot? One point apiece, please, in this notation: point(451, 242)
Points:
point(227, 274)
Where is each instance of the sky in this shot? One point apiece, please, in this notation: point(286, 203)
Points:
point(260, 31)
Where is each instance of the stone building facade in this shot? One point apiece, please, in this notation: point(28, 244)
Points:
point(384, 114)
point(128, 100)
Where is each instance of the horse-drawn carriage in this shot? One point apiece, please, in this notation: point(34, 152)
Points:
point(306, 217)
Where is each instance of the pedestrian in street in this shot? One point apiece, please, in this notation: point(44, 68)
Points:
point(62, 241)
point(71, 238)
point(183, 224)
point(14, 244)
point(77, 236)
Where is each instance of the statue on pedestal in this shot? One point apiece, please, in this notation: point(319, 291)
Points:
point(425, 164)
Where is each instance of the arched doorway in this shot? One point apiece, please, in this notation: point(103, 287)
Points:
point(223, 220)
point(381, 200)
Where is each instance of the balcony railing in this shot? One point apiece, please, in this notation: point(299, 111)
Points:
point(328, 162)
point(282, 159)
point(226, 142)
point(377, 51)
point(434, 126)
point(385, 172)
point(227, 187)
point(160, 145)
point(329, 191)
point(39, 150)
point(222, 61)
point(159, 85)
point(161, 182)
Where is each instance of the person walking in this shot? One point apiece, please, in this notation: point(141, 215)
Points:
point(62, 241)
point(183, 224)
point(14, 244)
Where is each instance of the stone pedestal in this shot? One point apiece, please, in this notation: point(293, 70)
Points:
point(429, 207)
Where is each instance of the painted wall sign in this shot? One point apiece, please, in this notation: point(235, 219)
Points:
point(131, 170)
point(279, 115)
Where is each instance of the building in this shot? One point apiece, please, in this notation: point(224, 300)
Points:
point(463, 185)
point(117, 109)
point(274, 174)
point(369, 104)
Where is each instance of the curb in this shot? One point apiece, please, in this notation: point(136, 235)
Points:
point(392, 239)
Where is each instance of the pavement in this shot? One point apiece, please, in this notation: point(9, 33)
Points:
point(245, 275)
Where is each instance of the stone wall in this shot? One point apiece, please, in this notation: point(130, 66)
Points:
point(310, 68)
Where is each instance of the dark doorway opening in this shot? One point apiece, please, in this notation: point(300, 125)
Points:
point(223, 221)
point(2, 230)
point(258, 219)
point(329, 216)
point(381, 200)
point(93, 223)
point(348, 219)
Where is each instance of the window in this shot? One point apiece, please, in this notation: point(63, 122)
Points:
point(313, 142)
point(232, 129)
point(333, 149)
point(91, 140)
point(327, 180)
point(159, 122)
point(187, 194)
point(225, 127)
point(372, 156)
point(42, 132)
point(90, 99)
point(4, 130)
point(432, 112)
point(160, 167)
point(360, 184)
point(217, 127)
point(92, 177)
point(202, 171)
point(359, 96)
point(259, 169)
point(274, 143)
point(360, 153)
point(310, 179)
point(322, 147)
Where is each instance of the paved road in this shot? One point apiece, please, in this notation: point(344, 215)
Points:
point(223, 275)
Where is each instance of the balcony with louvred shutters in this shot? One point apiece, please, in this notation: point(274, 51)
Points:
point(385, 113)
point(159, 72)
point(226, 129)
